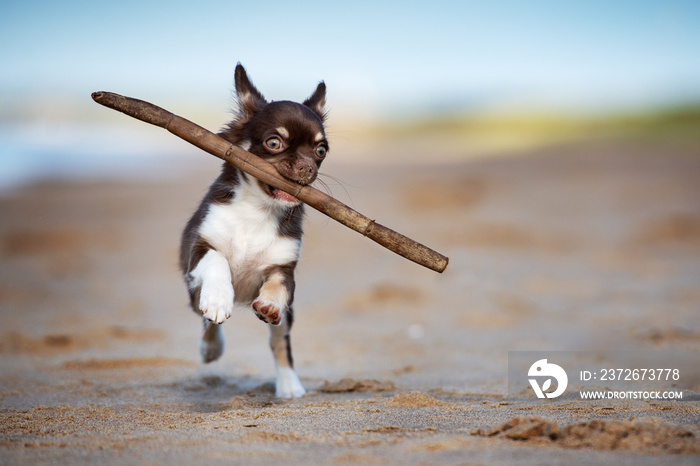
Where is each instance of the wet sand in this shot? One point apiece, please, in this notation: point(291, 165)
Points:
point(589, 246)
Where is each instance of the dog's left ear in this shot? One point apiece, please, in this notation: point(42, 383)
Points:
point(317, 101)
point(250, 100)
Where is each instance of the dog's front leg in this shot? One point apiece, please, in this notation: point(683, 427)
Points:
point(212, 276)
point(275, 295)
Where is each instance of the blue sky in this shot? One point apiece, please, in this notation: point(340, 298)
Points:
point(376, 57)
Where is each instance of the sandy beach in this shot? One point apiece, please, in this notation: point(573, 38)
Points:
point(574, 247)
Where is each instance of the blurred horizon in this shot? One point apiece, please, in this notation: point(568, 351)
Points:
point(385, 64)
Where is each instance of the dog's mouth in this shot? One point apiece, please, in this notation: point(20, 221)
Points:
point(283, 196)
point(301, 174)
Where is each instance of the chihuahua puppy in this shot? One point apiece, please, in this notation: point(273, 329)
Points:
point(241, 246)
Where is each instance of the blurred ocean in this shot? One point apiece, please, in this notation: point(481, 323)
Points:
point(68, 152)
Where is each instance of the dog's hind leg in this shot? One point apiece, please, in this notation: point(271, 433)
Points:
point(287, 384)
point(211, 346)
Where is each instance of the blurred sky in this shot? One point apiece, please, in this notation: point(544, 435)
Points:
point(375, 56)
point(380, 59)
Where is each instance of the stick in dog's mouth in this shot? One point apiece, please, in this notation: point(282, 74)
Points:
point(249, 163)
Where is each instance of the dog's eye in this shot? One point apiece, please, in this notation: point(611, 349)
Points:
point(321, 152)
point(274, 143)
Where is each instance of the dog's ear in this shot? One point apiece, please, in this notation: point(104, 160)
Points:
point(250, 100)
point(317, 101)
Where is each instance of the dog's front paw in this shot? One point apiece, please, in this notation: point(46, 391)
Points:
point(288, 384)
point(216, 301)
point(268, 311)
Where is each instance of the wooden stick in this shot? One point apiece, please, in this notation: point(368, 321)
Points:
point(264, 171)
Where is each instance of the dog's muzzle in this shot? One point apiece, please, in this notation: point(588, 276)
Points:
point(300, 171)
point(304, 171)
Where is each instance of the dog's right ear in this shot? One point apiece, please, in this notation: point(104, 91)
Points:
point(250, 100)
point(317, 101)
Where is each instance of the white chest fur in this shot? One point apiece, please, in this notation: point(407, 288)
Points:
point(245, 231)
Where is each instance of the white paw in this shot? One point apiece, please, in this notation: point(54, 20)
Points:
point(216, 301)
point(268, 311)
point(288, 384)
